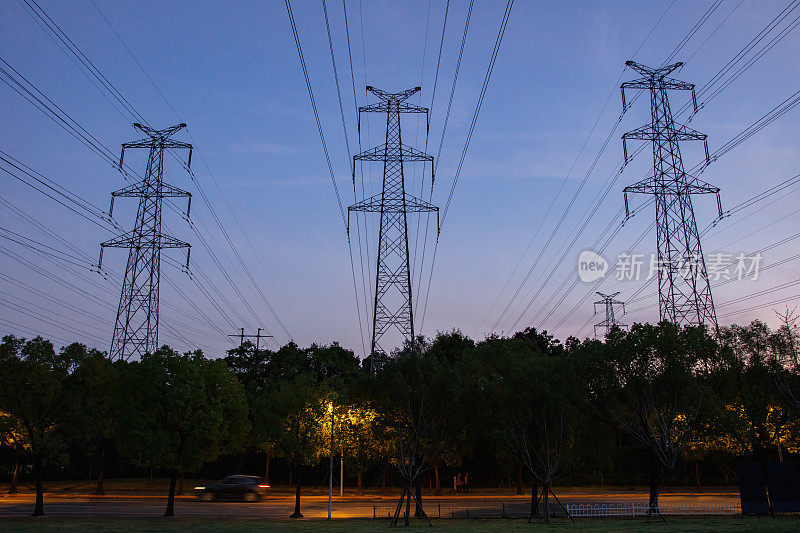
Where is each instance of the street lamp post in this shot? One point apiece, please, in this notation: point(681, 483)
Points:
point(330, 470)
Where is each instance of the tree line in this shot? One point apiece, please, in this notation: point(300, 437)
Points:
point(640, 405)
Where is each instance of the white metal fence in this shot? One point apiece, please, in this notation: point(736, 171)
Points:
point(520, 509)
point(599, 510)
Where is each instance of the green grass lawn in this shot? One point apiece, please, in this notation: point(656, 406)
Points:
point(750, 525)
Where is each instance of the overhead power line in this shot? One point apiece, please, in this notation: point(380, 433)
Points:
point(470, 132)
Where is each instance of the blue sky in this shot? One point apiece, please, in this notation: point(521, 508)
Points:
point(230, 70)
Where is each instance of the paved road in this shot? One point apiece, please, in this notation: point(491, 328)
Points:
point(312, 506)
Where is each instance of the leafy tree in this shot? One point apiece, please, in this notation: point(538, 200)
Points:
point(361, 440)
point(252, 368)
point(752, 418)
point(297, 389)
point(526, 387)
point(180, 411)
point(463, 431)
point(92, 422)
point(302, 407)
point(650, 383)
point(36, 391)
point(12, 436)
point(786, 364)
point(418, 392)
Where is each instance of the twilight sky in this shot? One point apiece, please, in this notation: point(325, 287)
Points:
point(231, 71)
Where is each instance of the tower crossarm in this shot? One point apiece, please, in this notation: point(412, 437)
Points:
point(380, 153)
point(691, 185)
point(412, 204)
point(159, 134)
point(651, 83)
point(386, 96)
point(395, 105)
point(158, 139)
point(656, 80)
point(133, 239)
point(650, 72)
point(678, 132)
point(138, 189)
point(149, 141)
point(385, 107)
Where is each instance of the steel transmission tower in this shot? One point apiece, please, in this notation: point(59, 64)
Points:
point(392, 307)
point(684, 293)
point(136, 326)
point(608, 301)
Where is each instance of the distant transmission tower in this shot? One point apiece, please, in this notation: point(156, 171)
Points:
point(608, 301)
point(392, 306)
point(136, 327)
point(684, 294)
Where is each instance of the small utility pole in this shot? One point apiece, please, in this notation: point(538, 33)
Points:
point(258, 336)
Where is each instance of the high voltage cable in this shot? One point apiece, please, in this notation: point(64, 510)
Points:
point(350, 160)
point(694, 30)
point(439, 56)
point(759, 124)
point(314, 108)
point(91, 209)
point(413, 267)
point(552, 203)
point(358, 220)
point(762, 122)
point(44, 249)
point(430, 193)
point(756, 127)
point(74, 309)
point(455, 82)
point(471, 130)
point(131, 109)
point(44, 318)
point(48, 249)
point(54, 188)
point(44, 20)
point(338, 87)
point(784, 300)
point(572, 167)
point(60, 117)
point(677, 48)
point(34, 290)
point(714, 32)
point(748, 47)
point(36, 332)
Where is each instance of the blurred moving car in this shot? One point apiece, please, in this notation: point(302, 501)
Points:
point(246, 488)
